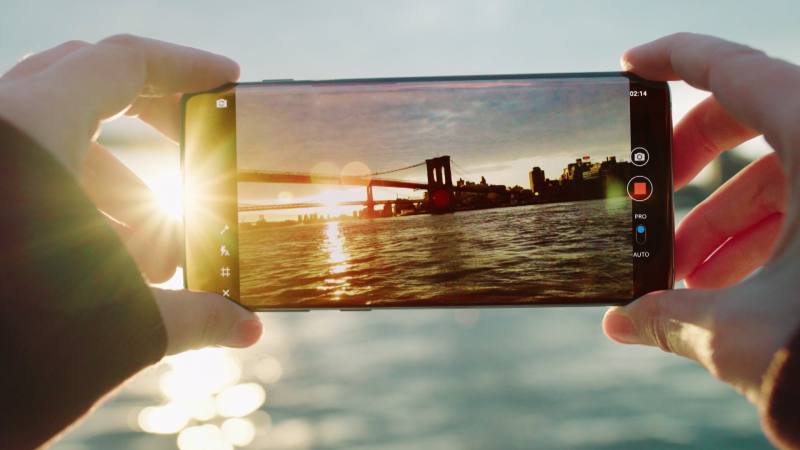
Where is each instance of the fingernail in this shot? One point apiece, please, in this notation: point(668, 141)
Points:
point(626, 65)
point(244, 334)
point(622, 330)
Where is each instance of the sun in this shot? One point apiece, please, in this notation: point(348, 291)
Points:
point(169, 194)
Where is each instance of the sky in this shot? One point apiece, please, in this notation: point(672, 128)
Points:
point(499, 130)
point(392, 38)
point(344, 39)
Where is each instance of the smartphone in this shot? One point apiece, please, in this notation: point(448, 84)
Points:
point(471, 191)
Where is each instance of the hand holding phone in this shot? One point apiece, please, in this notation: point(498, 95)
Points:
point(743, 332)
point(98, 81)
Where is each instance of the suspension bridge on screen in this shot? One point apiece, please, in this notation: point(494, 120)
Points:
point(439, 188)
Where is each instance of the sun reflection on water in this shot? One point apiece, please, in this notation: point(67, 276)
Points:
point(208, 402)
point(337, 257)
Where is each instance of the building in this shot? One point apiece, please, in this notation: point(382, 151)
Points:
point(581, 180)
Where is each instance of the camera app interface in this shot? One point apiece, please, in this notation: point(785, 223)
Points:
point(388, 194)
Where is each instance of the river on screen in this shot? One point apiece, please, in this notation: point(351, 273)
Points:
point(577, 250)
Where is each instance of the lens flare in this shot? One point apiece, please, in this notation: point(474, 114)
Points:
point(356, 174)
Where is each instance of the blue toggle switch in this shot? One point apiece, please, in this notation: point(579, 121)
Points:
point(641, 234)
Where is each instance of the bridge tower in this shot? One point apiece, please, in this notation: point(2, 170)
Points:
point(441, 197)
point(370, 202)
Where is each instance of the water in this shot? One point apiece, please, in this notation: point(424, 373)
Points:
point(539, 253)
point(538, 378)
point(542, 378)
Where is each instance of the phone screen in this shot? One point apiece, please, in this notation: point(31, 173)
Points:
point(442, 192)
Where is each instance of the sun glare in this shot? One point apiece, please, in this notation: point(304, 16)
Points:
point(168, 192)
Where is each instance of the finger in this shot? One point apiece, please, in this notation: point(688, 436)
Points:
point(738, 257)
point(736, 75)
point(755, 193)
point(40, 61)
point(705, 132)
point(163, 114)
point(156, 267)
point(675, 321)
point(142, 66)
point(118, 192)
point(102, 80)
point(194, 320)
point(714, 328)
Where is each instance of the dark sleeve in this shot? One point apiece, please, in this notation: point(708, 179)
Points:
point(76, 318)
point(780, 397)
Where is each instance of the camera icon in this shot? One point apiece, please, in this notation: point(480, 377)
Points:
point(222, 103)
point(639, 156)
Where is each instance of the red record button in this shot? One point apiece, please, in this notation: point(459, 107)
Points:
point(640, 188)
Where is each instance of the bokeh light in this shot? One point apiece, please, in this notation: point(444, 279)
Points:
point(193, 438)
point(206, 437)
point(198, 374)
point(261, 421)
point(238, 431)
point(202, 408)
point(356, 174)
point(241, 400)
point(269, 370)
point(167, 419)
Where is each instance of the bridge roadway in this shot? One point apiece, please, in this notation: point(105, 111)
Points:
point(259, 176)
point(245, 208)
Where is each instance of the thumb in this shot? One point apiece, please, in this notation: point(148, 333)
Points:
point(195, 320)
point(676, 321)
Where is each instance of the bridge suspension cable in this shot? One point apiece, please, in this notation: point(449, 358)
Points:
point(397, 170)
point(459, 173)
point(465, 170)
